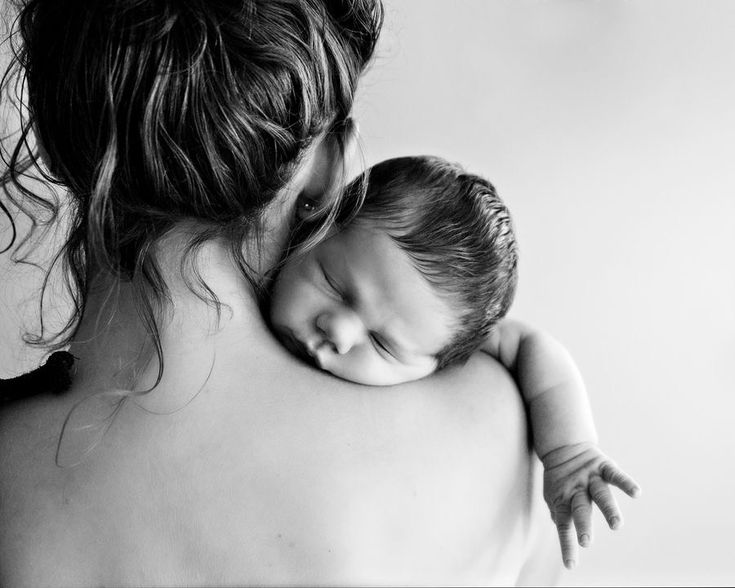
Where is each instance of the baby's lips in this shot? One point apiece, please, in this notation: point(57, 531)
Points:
point(318, 354)
point(295, 346)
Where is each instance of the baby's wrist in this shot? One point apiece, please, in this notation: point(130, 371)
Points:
point(559, 455)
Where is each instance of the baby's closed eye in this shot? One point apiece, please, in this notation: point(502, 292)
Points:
point(380, 346)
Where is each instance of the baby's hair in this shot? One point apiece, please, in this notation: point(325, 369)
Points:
point(153, 113)
point(457, 232)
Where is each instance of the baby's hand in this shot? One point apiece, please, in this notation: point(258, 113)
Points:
point(574, 477)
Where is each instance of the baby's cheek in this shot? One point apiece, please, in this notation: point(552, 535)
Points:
point(281, 305)
point(375, 371)
point(354, 366)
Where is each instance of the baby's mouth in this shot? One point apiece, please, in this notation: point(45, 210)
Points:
point(295, 346)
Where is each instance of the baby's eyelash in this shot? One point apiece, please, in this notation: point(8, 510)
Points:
point(331, 283)
point(378, 343)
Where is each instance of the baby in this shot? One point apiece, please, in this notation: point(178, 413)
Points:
point(418, 281)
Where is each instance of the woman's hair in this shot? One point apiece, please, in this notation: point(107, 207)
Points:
point(150, 113)
point(457, 232)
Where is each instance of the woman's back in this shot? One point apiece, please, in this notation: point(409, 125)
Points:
point(205, 123)
point(273, 473)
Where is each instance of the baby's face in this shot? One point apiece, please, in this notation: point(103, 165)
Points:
point(357, 307)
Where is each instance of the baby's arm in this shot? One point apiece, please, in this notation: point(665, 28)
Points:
point(576, 472)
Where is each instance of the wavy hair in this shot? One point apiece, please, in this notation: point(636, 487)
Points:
point(150, 113)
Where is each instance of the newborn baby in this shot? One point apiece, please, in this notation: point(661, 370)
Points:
point(420, 279)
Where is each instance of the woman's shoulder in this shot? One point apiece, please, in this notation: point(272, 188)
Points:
point(268, 469)
point(424, 482)
point(478, 401)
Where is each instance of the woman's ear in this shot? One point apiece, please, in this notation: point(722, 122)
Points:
point(329, 163)
point(353, 164)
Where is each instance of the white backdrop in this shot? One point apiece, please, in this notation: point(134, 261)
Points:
point(609, 129)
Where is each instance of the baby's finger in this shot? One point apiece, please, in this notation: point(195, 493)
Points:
point(582, 515)
point(605, 501)
point(617, 477)
point(563, 519)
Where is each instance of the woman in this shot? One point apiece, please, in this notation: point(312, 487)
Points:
point(194, 449)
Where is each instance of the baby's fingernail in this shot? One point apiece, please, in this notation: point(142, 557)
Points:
point(584, 540)
point(615, 523)
point(569, 563)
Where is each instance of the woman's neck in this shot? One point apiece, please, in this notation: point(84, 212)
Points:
point(112, 345)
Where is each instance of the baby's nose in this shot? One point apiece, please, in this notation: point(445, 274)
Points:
point(343, 329)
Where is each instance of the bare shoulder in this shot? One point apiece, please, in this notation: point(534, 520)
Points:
point(425, 483)
point(30, 486)
point(276, 473)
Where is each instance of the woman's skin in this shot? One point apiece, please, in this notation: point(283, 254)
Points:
point(262, 470)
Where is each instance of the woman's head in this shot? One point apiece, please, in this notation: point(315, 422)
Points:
point(154, 112)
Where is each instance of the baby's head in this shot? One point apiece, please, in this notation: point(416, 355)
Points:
point(412, 284)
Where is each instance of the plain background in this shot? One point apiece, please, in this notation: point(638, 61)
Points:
point(609, 129)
